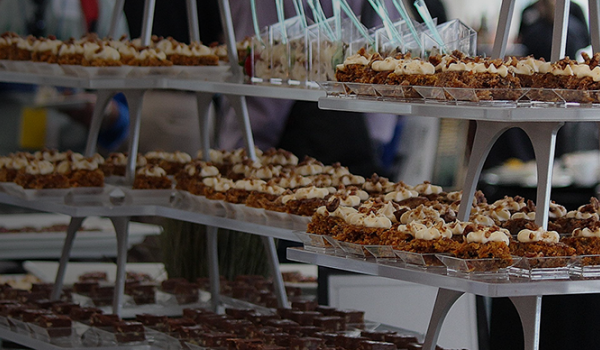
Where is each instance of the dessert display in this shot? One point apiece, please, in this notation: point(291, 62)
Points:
point(478, 78)
point(50, 169)
point(116, 163)
point(151, 177)
point(92, 51)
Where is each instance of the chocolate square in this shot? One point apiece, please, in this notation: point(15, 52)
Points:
point(326, 310)
point(348, 342)
point(83, 314)
point(376, 335)
point(31, 315)
point(306, 343)
point(104, 321)
point(351, 316)
point(242, 344)
point(284, 325)
point(193, 314)
point(153, 321)
point(191, 332)
point(168, 285)
point(305, 318)
point(305, 331)
point(260, 319)
point(56, 325)
point(186, 293)
point(217, 339)
point(63, 308)
point(304, 305)
point(329, 323)
point(129, 331)
point(238, 313)
point(84, 288)
point(401, 341)
point(173, 324)
point(142, 293)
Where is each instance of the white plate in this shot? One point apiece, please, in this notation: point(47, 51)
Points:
point(46, 270)
point(46, 68)
point(48, 245)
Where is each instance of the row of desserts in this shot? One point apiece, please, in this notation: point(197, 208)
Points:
point(410, 221)
point(458, 70)
point(93, 51)
point(305, 325)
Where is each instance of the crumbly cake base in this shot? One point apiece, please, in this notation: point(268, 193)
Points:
point(143, 182)
point(86, 178)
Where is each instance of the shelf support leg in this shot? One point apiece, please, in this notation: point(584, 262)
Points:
point(102, 99)
point(530, 312)
point(271, 250)
point(227, 22)
point(193, 26)
point(594, 8)
point(147, 22)
point(241, 111)
point(486, 135)
point(213, 266)
point(543, 139)
point(115, 18)
point(204, 101)
point(121, 225)
point(443, 302)
point(500, 41)
point(74, 225)
point(134, 100)
point(559, 31)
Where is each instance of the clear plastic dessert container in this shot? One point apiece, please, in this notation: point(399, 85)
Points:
point(255, 215)
point(487, 269)
point(543, 268)
point(455, 35)
point(299, 222)
point(338, 250)
point(325, 52)
point(382, 253)
point(147, 197)
point(64, 336)
point(314, 242)
point(421, 260)
point(354, 250)
point(585, 266)
point(386, 46)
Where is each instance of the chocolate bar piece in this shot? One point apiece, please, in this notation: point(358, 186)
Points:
point(328, 337)
point(306, 343)
point(305, 331)
point(186, 293)
point(281, 339)
point(31, 297)
point(142, 293)
point(326, 310)
point(285, 313)
point(193, 314)
point(102, 295)
point(191, 332)
point(304, 305)
point(153, 321)
point(173, 324)
point(46, 303)
point(104, 321)
point(284, 325)
point(217, 339)
point(260, 319)
point(96, 276)
point(31, 315)
point(329, 323)
point(211, 320)
point(265, 347)
point(375, 345)
point(83, 314)
point(242, 344)
point(351, 316)
point(12, 310)
point(293, 291)
point(129, 331)
point(57, 326)
point(348, 342)
point(63, 308)
point(305, 318)
point(237, 327)
point(238, 313)
point(84, 288)
point(42, 287)
point(168, 285)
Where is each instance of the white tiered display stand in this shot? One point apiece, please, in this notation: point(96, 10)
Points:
point(540, 124)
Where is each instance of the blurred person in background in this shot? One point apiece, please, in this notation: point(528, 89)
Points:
point(65, 19)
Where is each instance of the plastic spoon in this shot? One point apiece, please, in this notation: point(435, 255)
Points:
point(300, 12)
point(399, 5)
point(255, 22)
point(387, 23)
point(361, 29)
point(424, 12)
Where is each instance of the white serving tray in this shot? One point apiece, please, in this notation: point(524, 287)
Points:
point(46, 270)
point(87, 244)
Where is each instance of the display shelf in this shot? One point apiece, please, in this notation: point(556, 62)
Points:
point(167, 82)
point(182, 210)
point(494, 289)
point(481, 112)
